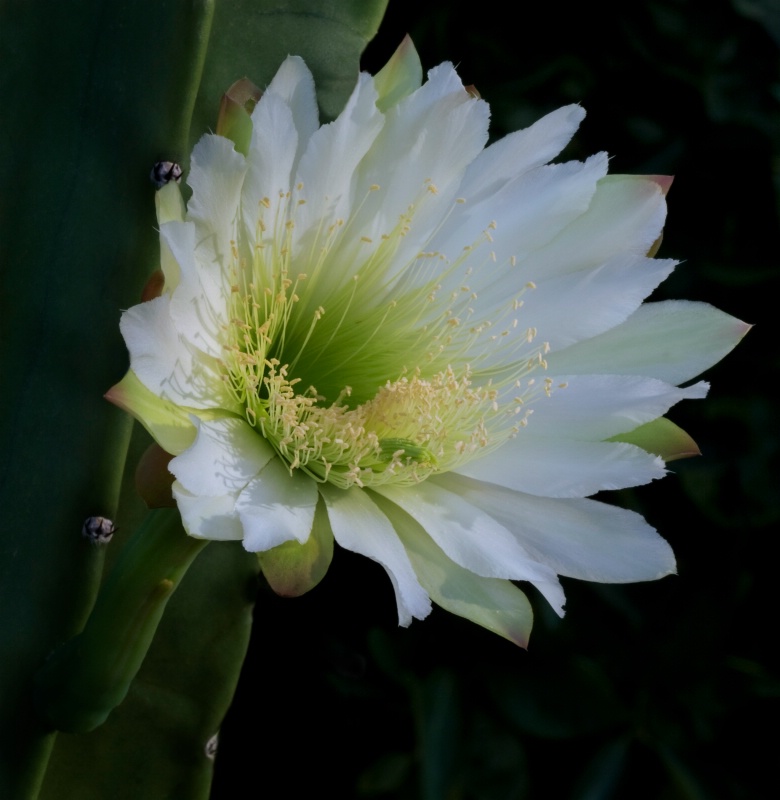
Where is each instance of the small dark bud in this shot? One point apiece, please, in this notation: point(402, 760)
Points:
point(164, 172)
point(98, 529)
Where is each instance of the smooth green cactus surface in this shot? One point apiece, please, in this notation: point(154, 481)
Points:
point(92, 99)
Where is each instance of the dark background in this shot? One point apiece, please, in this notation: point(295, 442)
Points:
point(663, 690)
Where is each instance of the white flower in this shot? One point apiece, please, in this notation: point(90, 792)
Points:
point(382, 332)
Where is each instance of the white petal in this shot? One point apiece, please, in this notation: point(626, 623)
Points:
point(596, 407)
point(419, 158)
point(578, 538)
point(271, 160)
point(200, 299)
point(674, 341)
point(564, 468)
point(226, 455)
point(276, 507)
point(216, 175)
point(294, 84)
point(472, 538)
point(626, 217)
point(591, 302)
point(208, 517)
point(165, 363)
point(327, 167)
point(496, 604)
point(520, 151)
point(528, 213)
point(358, 525)
point(430, 136)
point(568, 308)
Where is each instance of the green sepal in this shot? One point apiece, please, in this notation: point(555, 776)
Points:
point(401, 76)
point(169, 424)
point(662, 438)
point(235, 113)
point(291, 568)
point(169, 203)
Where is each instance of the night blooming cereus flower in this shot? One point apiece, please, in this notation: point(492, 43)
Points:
point(382, 332)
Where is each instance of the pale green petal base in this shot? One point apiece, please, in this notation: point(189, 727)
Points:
point(292, 568)
point(401, 76)
point(169, 425)
point(663, 438)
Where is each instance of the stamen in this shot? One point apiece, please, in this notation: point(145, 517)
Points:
point(402, 378)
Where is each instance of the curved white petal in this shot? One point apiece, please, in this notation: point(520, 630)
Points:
point(596, 407)
point(199, 300)
point(527, 214)
point(564, 468)
point(207, 517)
point(419, 158)
point(520, 151)
point(294, 84)
point(472, 538)
point(593, 301)
point(165, 363)
point(327, 167)
point(578, 538)
point(216, 176)
point(673, 341)
point(496, 604)
point(226, 455)
point(625, 217)
point(271, 160)
point(358, 525)
point(569, 308)
point(276, 507)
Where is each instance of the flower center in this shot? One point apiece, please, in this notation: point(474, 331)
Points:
point(371, 374)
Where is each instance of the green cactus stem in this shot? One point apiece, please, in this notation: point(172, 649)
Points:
point(88, 676)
